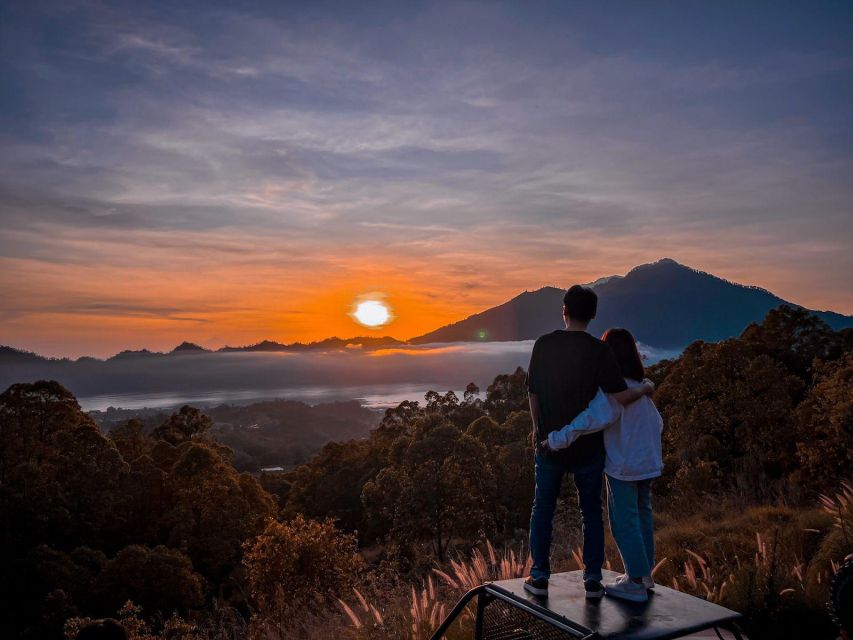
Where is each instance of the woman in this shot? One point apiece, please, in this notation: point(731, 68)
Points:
point(632, 439)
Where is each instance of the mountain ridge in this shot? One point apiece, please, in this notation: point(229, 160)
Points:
point(664, 303)
point(12, 355)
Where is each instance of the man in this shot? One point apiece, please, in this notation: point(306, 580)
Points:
point(567, 368)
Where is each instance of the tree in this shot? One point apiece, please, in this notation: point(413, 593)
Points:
point(436, 488)
point(130, 440)
point(297, 564)
point(159, 580)
point(794, 337)
point(31, 415)
point(470, 408)
point(507, 393)
point(58, 490)
point(726, 406)
point(471, 393)
point(398, 420)
point(69, 499)
point(184, 425)
point(147, 499)
point(59, 473)
point(487, 431)
point(90, 471)
point(825, 426)
point(512, 462)
point(48, 582)
point(441, 404)
point(510, 457)
point(331, 485)
point(213, 508)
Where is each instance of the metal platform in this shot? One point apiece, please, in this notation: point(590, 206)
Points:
point(506, 612)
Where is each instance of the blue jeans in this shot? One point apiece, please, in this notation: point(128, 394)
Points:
point(630, 506)
point(588, 481)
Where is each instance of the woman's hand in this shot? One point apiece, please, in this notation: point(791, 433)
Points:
point(648, 386)
point(544, 446)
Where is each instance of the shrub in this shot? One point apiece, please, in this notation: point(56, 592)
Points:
point(295, 565)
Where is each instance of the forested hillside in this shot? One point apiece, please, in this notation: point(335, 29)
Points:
point(160, 529)
point(264, 434)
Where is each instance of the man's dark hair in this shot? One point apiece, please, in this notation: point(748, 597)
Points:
point(581, 303)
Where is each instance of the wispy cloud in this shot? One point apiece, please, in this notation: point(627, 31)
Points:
point(212, 154)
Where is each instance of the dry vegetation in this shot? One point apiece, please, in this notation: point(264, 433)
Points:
point(378, 538)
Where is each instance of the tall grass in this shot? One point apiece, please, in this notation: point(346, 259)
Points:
point(428, 603)
point(465, 574)
point(840, 506)
point(774, 564)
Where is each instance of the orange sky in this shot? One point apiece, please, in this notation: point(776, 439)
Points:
point(153, 290)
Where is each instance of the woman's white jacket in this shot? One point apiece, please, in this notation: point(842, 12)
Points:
point(632, 435)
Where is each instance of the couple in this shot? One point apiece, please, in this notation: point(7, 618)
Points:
point(592, 415)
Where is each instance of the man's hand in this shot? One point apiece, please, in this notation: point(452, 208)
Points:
point(534, 418)
point(545, 446)
point(648, 386)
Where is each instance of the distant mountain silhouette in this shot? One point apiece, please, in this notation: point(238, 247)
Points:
point(130, 354)
point(265, 345)
point(10, 355)
point(369, 342)
point(664, 304)
point(189, 347)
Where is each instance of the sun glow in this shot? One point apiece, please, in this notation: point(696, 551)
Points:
point(372, 313)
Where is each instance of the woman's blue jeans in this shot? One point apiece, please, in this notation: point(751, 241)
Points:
point(588, 476)
point(630, 507)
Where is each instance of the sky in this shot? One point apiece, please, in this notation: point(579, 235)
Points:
point(230, 172)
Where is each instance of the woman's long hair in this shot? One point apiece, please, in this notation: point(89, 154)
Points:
point(625, 348)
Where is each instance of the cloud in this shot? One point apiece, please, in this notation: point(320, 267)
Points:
point(520, 146)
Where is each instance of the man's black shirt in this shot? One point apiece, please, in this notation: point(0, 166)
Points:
point(566, 370)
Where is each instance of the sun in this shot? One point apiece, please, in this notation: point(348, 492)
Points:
point(371, 313)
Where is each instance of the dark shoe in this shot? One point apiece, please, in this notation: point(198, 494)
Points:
point(594, 589)
point(536, 586)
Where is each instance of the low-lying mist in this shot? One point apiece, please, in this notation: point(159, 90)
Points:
point(171, 379)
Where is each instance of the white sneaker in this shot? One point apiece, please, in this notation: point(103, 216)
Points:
point(627, 589)
point(648, 581)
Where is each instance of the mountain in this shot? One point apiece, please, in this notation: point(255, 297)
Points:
point(264, 345)
point(12, 356)
point(189, 347)
point(368, 342)
point(128, 354)
point(664, 304)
